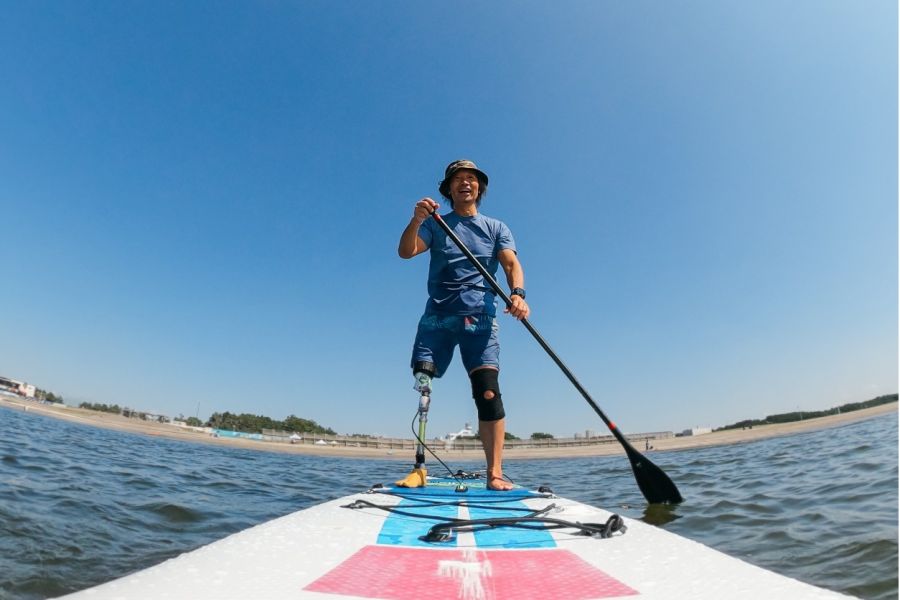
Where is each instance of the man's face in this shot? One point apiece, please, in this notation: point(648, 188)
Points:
point(464, 186)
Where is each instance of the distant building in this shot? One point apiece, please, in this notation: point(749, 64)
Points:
point(696, 431)
point(156, 418)
point(465, 432)
point(19, 387)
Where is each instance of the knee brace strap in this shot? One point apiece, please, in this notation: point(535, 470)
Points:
point(486, 380)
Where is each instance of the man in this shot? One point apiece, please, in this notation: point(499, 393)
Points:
point(461, 306)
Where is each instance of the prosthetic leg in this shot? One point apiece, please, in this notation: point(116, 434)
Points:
point(417, 477)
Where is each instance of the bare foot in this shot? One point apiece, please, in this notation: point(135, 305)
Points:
point(499, 484)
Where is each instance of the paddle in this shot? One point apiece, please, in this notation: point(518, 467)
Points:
point(656, 486)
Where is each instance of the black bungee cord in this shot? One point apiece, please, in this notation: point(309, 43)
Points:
point(447, 527)
point(458, 476)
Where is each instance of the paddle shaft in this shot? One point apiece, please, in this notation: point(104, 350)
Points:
point(653, 482)
point(537, 336)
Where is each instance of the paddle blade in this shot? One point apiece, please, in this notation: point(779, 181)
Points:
point(656, 486)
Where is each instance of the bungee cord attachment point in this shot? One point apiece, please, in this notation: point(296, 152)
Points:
point(446, 532)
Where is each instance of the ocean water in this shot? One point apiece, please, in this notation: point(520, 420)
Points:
point(80, 506)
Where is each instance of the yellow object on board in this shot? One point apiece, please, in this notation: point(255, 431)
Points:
point(416, 478)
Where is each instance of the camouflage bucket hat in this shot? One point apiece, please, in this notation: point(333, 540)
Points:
point(452, 168)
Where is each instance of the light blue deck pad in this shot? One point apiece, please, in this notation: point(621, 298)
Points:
point(439, 498)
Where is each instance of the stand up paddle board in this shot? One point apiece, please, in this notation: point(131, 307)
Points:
point(439, 542)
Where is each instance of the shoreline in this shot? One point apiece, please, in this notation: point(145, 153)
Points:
point(174, 432)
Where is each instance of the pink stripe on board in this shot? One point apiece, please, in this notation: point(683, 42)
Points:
point(394, 573)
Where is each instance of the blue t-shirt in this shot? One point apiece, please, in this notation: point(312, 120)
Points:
point(454, 285)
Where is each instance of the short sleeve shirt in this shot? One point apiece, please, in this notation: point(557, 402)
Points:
point(454, 285)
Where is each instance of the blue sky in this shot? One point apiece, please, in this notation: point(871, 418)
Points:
point(203, 200)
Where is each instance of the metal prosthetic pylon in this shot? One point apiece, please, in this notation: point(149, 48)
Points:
point(418, 476)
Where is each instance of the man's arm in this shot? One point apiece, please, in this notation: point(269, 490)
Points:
point(410, 242)
point(515, 278)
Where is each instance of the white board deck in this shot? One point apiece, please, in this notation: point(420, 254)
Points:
point(328, 552)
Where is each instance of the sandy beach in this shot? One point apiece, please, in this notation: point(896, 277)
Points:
point(120, 423)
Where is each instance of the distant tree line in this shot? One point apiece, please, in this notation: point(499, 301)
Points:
point(120, 410)
point(801, 415)
point(506, 436)
point(47, 396)
point(248, 423)
point(115, 408)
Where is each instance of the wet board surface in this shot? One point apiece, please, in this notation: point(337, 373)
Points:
point(376, 550)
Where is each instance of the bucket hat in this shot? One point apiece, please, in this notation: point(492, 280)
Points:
point(457, 165)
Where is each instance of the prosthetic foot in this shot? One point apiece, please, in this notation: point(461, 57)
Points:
point(418, 476)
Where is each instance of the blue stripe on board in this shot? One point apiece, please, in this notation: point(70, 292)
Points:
point(404, 530)
point(508, 537)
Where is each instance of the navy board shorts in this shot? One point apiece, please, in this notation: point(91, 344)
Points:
point(476, 336)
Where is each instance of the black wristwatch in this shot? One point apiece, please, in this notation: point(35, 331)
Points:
point(518, 292)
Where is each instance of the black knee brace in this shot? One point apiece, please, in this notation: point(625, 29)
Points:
point(486, 380)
